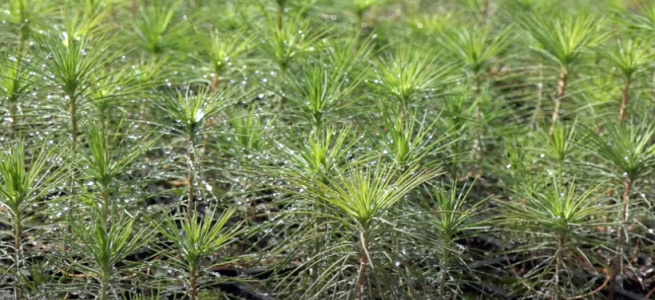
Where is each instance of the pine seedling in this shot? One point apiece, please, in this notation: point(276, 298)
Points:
point(347, 53)
point(285, 44)
point(109, 88)
point(281, 7)
point(560, 146)
point(27, 16)
point(359, 200)
point(410, 139)
point(70, 64)
point(222, 50)
point(643, 20)
point(405, 76)
point(456, 118)
point(451, 217)
point(628, 56)
point(631, 153)
point(321, 89)
point(249, 129)
point(105, 244)
point(195, 240)
point(476, 48)
point(189, 110)
point(23, 183)
point(320, 154)
point(105, 158)
point(427, 24)
point(360, 8)
point(86, 19)
point(93, 8)
point(563, 40)
point(154, 30)
point(563, 222)
point(14, 88)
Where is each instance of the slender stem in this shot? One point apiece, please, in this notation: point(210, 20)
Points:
point(445, 259)
point(13, 100)
point(18, 237)
point(485, 10)
point(106, 203)
point(143, 111)
point(13, 115)
point(626, 99)
point(280, 20)
point(626, 196)
point(103, 118)
point(363, 262)
point(21, 42)
point(652, 88)
point(214, 83)
point(72, 106)
point(621, 233)
point(104, 287)
point(537, 118)
point(561, 92)
point(558, 266)
point(193, 284)
point(210, 121)
point(205, 142)
point(133, 8)
point(191, 177)
point(478, 120)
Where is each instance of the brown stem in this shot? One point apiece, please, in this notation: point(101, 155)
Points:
point(191, 178)
point(73, 122)
point(72, 105)
point(444, 266)
point(193, 285)
point(561, 92)
point(71, 275)
point(102, 116)
point(478, 120)
point(652, 88)
point(18, 236)
point(608, 278)
point(650, 293)
point(142, 113)
point(485, 10)
point(635, 252)
point(133, 7)
point(205, 138)
point(558, 267)
point(626, 98)
point(363, 262)
point(540, 93)
point(214, 84)
point(13, 109)
point(13, 114)
point(520, 278)
point(626, 197)
point(210, 121)
point(618, 262)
